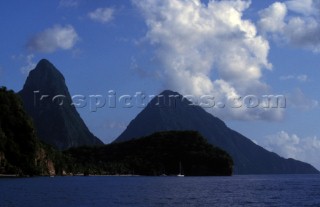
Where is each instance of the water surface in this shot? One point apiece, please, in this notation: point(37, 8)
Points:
point(253, 190)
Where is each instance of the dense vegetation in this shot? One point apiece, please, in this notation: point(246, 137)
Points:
point(157, 154)
point(21, 152)
point(18, 142)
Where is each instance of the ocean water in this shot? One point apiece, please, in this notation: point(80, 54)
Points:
point(238, 190)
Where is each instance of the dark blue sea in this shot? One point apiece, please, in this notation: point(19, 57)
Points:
point(249, 190)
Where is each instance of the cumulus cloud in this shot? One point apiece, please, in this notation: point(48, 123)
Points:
point(295, 22)
point(208, 49)
point(272, 18)
point(305, 7)
point(103, 15)
point(54, 38)
point(292, 146)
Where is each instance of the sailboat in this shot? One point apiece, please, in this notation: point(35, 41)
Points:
point(180, 175)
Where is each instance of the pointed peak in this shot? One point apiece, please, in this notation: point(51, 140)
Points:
point(47, 81)
point(169, 93)
point(45, 77)
point(169, 99)
point(46, 69)
point(45, 64)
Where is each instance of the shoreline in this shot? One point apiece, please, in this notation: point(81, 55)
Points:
point(9, 176)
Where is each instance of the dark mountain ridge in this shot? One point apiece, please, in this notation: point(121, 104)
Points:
point(56, 120)
point(170, 111)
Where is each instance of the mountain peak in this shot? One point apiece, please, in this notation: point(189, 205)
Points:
point(45, 67)
point(169, 93)
point(47, 78)
point(44, 62)
point(58, 125)
point(168, 111)
point(170, 99)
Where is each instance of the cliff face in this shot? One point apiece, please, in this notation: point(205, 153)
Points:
point(45, 163)
point(169, 111)
point(58, 125)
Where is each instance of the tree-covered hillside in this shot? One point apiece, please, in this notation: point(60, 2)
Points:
point(18, 142)
point(157, 154)
point(21, 152)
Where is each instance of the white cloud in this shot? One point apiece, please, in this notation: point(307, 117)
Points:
point(295, 22)
point(103, 15)
point(56, 37)
point(208, 49)
point(272, 18)
point(305, 7)
point(292, 146)
point(27, 61)
point(300, 78)
point(29, 64)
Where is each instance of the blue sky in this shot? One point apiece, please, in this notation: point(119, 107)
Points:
point(226, 49)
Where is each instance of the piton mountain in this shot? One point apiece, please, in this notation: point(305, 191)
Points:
point(170, 111)
point(47, 100)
